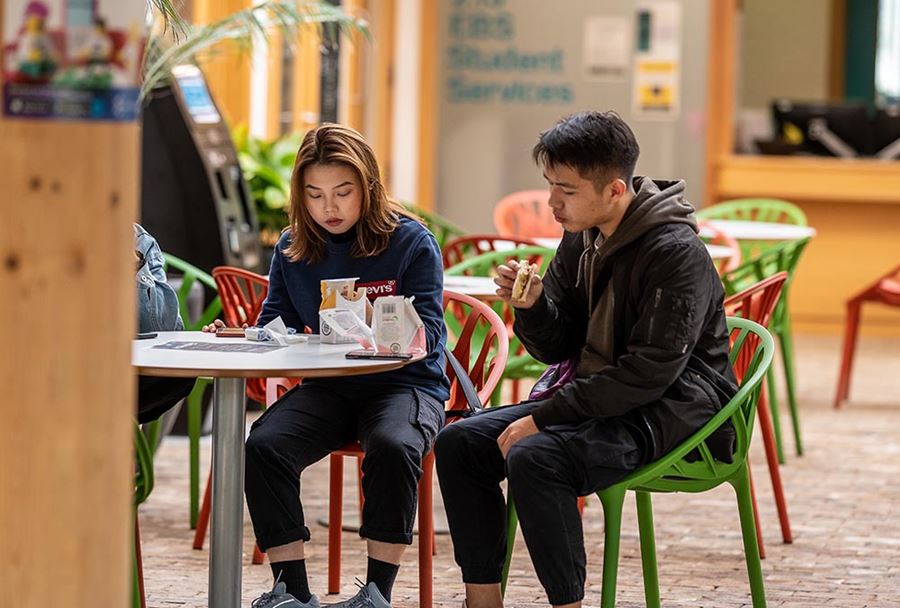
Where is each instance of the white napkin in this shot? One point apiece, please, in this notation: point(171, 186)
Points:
point(278, 332)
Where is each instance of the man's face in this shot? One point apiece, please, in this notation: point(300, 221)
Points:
point(575, 203)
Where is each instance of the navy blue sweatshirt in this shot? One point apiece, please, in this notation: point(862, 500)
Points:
point(410, 266)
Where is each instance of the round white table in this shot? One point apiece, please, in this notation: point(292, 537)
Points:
point(715, 251)
point(229, 371)
point(760, 231)
point(480, 288)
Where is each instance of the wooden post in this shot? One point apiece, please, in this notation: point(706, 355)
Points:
point(428, 118)
point(307, 80)
point(228, 74)
point(720, 91)
point(68, 196)
point(383, 85)
point(353, 49)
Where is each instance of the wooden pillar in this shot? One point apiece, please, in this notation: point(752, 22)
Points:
point(307, 81)
point(428, 103)
point(68, 196)
point(353, 98)
point(274, 98)
point(228, 71)
point(720, 90)
point(383, 85)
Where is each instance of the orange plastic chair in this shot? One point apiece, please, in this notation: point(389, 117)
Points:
point(885, 290)
point(722, 239)
point(485, 362)
point(465, 247)
point(526, 214)
point(757, 303)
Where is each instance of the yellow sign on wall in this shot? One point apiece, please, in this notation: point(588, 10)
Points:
point(656, 81)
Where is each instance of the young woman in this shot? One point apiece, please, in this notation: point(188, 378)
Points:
point(343, 225)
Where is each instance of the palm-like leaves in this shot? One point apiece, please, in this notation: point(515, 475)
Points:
point(177, 42)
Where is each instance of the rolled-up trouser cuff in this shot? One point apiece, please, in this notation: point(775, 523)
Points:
point(481, 575)
point(276, 539)
point(566, 594)
point(382, 536)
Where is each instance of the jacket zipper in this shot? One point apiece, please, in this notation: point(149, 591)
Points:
point(653, 315)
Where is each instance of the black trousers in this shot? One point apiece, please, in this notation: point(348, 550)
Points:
point(546, 473)
point(395, 427)
point(157, 395)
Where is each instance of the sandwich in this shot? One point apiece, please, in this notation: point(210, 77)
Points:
point(523, 281)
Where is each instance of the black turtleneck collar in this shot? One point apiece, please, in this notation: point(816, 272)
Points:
point(342, 238)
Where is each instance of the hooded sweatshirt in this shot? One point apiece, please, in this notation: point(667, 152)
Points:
point(655, 203)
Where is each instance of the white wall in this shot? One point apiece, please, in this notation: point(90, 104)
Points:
point(484, 147)
point(784, 51)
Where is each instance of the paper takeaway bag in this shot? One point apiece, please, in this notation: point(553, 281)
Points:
point(342, 295)
point(397, 326)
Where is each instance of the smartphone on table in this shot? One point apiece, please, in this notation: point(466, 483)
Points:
point(371, 354)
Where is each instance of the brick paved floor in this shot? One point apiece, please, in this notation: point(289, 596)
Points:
point(844, 498)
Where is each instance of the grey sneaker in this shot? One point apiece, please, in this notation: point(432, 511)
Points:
point(278, 597)
point(368, 596)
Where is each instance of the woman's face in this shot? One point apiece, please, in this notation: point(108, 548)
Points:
point(333, 196)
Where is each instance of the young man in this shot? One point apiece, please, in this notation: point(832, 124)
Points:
point(633, 296)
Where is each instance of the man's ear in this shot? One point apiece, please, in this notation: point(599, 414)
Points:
point(617, 188)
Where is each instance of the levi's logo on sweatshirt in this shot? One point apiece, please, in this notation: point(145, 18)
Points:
point(376, 289)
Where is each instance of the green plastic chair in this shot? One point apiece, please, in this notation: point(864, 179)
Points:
point(755, 210)
point(143, 485)
point(752, 349)
point(520, 364)
point(443, 229)
point(777, 258)
point(189, 275)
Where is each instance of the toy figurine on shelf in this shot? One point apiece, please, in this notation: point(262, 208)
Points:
point(96, 55)
point(36, 56)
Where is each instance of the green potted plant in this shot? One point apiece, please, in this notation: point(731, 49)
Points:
point(267, 166)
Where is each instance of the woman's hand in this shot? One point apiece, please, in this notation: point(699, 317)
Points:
point(506, 277)
point(212, 327)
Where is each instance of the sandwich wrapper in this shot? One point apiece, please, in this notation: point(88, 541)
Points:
point(396, 326)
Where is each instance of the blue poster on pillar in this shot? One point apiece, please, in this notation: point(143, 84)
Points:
point(72, 59)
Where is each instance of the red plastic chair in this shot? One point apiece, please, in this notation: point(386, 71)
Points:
point(465, 247)
point(885, 290)
point(722, 239)
point(526, 214)
point(757, 303)
point(485, 363)
point(242, 293)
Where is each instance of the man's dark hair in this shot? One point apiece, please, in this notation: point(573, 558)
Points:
point(599, 145)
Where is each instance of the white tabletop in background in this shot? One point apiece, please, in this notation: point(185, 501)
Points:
point(760, 231)
point(309, 360)
point(477, 287)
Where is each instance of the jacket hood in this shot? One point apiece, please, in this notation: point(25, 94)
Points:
point(656, 202)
